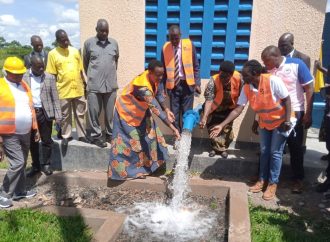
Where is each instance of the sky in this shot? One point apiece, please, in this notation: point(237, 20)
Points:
point(19, 19)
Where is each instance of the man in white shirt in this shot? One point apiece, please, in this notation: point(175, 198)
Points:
point(298, 79)
point(17, 119)
point(47, 106)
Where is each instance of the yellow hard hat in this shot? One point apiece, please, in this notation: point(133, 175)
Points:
point(14, 65)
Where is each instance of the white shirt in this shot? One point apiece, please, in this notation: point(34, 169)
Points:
point(295, 75)
point(290, 54)
point(35, 89)
point(181, 70)
point(23, 112)
point(278, 89)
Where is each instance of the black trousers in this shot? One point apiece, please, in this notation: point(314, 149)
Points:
point(295, 144)
point(45, 130)
point(181, 100)
point(327, 136)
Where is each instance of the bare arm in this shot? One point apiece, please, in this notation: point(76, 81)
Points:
point(233, 115)
point(307, 119)
point(207, 110)
point(319, 67)
point(287, 102)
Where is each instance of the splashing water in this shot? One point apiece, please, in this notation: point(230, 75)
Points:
point(179, 184)
point(180, 221)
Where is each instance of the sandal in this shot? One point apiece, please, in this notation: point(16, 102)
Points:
point(212, 153)
point(224, 154)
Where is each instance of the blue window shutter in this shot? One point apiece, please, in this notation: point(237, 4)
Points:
point(206, 23)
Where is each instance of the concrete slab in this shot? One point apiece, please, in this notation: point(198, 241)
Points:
point(242, 159)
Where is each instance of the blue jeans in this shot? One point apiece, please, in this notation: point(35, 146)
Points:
point(271, 148)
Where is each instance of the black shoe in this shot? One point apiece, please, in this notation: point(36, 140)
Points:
point(46, 170)
point(224, 154)
point(108, 138)
point(323, 187)
point(100, 143)
point(65, 142)
point(59, 134)
point(325, 157)
point(33, 172)
point(212, 153)
point(83, 139)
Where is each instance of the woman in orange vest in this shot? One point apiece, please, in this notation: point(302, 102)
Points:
point(221, 95)
point(138, 147)
point(270, 99)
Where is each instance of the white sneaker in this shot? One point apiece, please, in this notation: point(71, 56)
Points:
point(5, 202)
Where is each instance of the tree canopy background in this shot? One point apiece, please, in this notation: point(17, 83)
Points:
point(14, 48)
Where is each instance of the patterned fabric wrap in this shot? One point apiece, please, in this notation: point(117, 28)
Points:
point(137, 151)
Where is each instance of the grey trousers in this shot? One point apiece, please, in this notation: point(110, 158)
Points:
point(16, 147)
point(77, 108)
point(95, 102)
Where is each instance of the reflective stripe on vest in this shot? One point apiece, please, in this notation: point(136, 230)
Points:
point(128, 106)
point(187, 61)
point(7, 108)
point(235, 86)
point(271, 113)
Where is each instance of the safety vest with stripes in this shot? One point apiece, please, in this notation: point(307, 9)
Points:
point(271, 113)
point(131, 109)
point(187, 61)
point(235, 86)
point(7, 108)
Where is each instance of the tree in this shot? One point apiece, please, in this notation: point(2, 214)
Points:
point(2, 42)
point(14, 43)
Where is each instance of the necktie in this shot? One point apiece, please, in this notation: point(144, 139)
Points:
point(176, 71)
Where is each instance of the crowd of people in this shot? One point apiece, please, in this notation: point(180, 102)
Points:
point(54, 86)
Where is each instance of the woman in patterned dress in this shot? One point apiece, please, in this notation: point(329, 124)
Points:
point(138, 147)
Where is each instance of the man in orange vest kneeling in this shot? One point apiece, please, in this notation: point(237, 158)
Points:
point(17, 118)
point(181, 73)
point(221, 95)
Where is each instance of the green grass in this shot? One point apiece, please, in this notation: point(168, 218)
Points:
point(31, 225)
point(4, 164)
point(281, 226)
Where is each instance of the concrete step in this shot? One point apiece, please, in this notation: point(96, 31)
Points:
point(242, 159)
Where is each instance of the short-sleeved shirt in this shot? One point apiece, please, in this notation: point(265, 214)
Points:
point(278, 89)
point(295, 75)
point(67, 65)
point(23, 113)
point(100, 64)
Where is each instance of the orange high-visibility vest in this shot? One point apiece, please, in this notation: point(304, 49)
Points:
point(7, 108)
point(235, 84)
point(187, 61)
point(131, 109)
point(271, 113)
